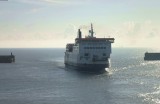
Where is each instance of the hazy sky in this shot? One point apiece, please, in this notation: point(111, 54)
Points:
point(53, 23)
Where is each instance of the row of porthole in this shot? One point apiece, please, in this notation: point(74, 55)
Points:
point(94, 47)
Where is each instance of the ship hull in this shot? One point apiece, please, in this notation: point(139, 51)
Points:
point(88, 67)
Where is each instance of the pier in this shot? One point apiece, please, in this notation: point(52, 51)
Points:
point(7, 58)
point(152, 56)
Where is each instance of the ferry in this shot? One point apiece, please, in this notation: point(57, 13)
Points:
point(89, 53)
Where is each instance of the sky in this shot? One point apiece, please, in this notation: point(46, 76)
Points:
point(54, 23)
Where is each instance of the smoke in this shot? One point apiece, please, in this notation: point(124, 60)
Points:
point(70, 31)
point(84, 27)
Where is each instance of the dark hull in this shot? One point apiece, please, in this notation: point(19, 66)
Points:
point(88, 67)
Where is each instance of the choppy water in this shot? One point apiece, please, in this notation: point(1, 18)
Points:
point(39, 77)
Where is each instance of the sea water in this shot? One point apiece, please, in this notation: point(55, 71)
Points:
point(39, 76)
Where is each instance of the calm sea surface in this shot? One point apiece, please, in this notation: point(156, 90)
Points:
point(39, 77)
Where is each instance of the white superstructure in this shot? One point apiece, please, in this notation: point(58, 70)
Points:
point(89, 53)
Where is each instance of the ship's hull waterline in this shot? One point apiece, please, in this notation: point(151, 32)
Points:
point(94, 67)
point(88, 67)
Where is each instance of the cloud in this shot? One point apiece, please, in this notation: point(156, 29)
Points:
point(36, 10)
point(66, 1)
point(134, 34)
point(54, 2)
point(70, 31)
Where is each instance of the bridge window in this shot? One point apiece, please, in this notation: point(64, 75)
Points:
point(104, 54)
point(86, 54)
point(93, 47)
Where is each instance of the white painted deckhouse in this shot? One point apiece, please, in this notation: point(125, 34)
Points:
point(89, 53)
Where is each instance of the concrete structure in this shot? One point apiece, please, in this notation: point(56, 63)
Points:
point(7, 58)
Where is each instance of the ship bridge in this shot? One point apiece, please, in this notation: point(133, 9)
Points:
point(78, 40)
